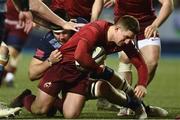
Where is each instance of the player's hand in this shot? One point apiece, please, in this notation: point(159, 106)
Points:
point(140, 91)
point(73, 26)
point(55, 56)
point(26, 20)
point(151, 31)
point(109, 4)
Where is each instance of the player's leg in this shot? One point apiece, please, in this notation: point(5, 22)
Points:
point(15, 39)
point(151, 46)
point(4, 56)
point(4, 53)
point(104, 89)
point(125, 67)
point(41, 104)
point(73, 105)
point(11, 66)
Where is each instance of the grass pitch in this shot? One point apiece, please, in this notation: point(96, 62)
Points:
point(163, 91)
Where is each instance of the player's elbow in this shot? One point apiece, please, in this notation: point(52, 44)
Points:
point(32, 75)
point(169, 5)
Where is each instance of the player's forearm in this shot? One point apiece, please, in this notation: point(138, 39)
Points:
point(96, 9)
point(43, 11)
point(36, 71)
point(142, 70)
point(165, 11)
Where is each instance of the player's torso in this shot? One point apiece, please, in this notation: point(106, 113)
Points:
point(75, 8)
point(93, 33)
point(46, 45)
point(141, 9)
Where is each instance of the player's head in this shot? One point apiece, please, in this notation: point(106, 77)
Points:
point(125, 29)
point(62, 34)
point(128, 22)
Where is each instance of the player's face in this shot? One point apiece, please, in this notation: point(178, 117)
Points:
point(123, 37)
point(63, 36)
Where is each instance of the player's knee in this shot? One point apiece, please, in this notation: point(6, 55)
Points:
point(152, 64)
point(40, 109)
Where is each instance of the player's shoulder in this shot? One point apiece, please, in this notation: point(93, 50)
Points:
point(100, 24)
point(47, 37)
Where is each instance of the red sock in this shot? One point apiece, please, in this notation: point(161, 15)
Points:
point(27, 101)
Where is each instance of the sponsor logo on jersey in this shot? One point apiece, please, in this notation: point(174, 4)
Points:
point(55, 43)
point(39, 53)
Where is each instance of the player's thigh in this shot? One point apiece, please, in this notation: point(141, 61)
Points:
point(151, 53)
point(13, 52)
point(43, 101)
point(150, 49)
point(73, 105)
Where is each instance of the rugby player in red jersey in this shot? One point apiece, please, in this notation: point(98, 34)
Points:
point(66, 77)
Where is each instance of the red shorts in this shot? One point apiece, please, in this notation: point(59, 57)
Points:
point(64, 77)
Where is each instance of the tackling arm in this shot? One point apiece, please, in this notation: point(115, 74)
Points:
point(38, 67)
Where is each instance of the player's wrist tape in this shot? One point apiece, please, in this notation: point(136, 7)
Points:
point(106, 74)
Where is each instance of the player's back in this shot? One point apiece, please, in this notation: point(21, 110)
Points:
point(94, 33)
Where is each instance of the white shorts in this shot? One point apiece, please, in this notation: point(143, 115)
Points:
point(150, 41)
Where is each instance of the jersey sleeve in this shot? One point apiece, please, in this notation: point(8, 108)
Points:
point(85, 47)
point(138, 61)
point(43, 50)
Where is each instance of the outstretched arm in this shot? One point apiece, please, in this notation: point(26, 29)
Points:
point(166, 9)
point(44, 12)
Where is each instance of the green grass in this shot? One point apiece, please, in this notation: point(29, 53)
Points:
point(163, 91)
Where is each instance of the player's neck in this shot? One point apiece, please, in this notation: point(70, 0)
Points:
point(110, 34)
